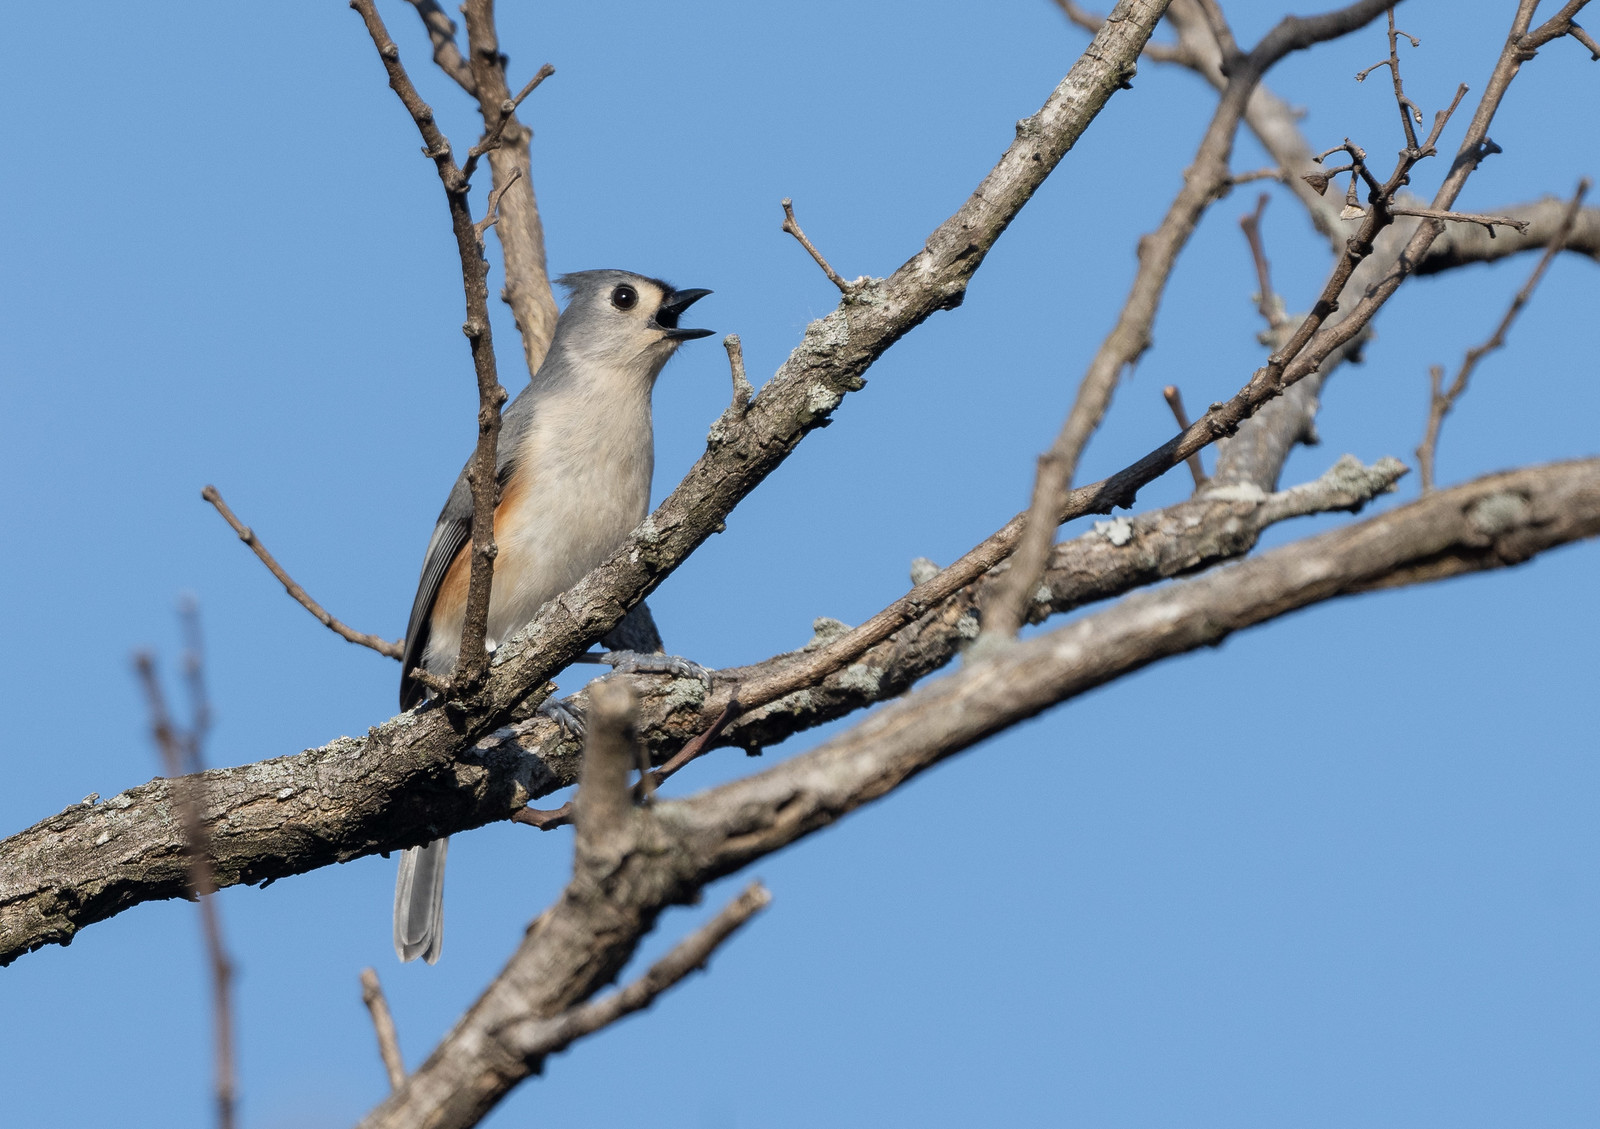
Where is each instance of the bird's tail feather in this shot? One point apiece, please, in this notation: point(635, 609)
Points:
point(419, 902)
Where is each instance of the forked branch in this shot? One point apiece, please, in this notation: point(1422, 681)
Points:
point(1442, 400)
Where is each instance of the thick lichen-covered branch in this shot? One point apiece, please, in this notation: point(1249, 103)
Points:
point(674, 848)
point(361, 796)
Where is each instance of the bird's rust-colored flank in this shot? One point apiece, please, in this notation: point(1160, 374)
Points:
point(449, 606)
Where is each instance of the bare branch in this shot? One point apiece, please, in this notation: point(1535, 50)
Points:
point(442, 34)
point(493, 139)
point(545, 819)
point(182, 755)
point(1489, 222)
point(742, 388)
point(1556, 26)
point(383, 1027)
point(1584, 38)
point(1205, 181)
point(1238, 178)
point(301, 596)
point(792, 226)
point(1267, 300)
point(472, 664)
point(1440, 402)
point(535, 1039)
point(390, 791)
point(1460, 245)
point(492, 213)
point(1408, 108)
point(1174, 400)
point(520, 229)
point(580, 941)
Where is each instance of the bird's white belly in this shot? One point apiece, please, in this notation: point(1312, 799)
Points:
point(582, 484)
point(554, 536)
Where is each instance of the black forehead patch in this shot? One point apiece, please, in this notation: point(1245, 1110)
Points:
point(589, 280)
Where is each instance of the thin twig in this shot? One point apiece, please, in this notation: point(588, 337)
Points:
point(1206, 179)
point(472, 662)
point(743, 390)
point(698, 746)
point(545, 819)
point(548, 819)
point(1584, 38)
point(182, 756)
point(1267, 300)
point(545, 1037)
point(1440, 400)
point(301, 596)
point(1408, 108)
point(1174, 400)
point(383, 1027)
point(491, 139)
point(1093, 21)
point(493, 212)
point(1489, 222)
point(792, 226)
point(1239, 178)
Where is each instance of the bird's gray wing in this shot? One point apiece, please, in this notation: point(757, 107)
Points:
point(450, 533)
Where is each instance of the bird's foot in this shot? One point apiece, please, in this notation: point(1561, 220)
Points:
point(567, 714)
point(637, 662)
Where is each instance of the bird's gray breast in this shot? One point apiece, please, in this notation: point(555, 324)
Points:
point(582, 483)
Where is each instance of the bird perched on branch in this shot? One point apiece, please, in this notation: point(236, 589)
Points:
point(574, 461)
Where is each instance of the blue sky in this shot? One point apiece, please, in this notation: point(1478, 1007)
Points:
point(1339, 871)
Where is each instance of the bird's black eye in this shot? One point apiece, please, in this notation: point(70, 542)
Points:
point(624, 297)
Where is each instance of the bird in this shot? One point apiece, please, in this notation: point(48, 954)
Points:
point(574, 463)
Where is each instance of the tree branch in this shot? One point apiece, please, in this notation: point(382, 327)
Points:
point(442, 34)
point(520, 230)
point(1207, 179)
point(182, 754)
point(357, 797)
point(536, 1039)
point(472, 663)
point(383, 1026)
point(300, 595)
point(392, 810)
point(792, 226)
point(1463, 244)
point(588, 935)
point(1441, 401)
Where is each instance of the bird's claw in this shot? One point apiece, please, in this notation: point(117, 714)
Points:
point(637, 662)
point(567, 714)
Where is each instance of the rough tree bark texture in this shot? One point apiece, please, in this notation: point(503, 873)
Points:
point(653, 857)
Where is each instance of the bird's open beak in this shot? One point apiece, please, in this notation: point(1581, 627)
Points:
point(675, 304)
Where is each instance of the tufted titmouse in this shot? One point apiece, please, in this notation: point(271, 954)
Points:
point(575, 457)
